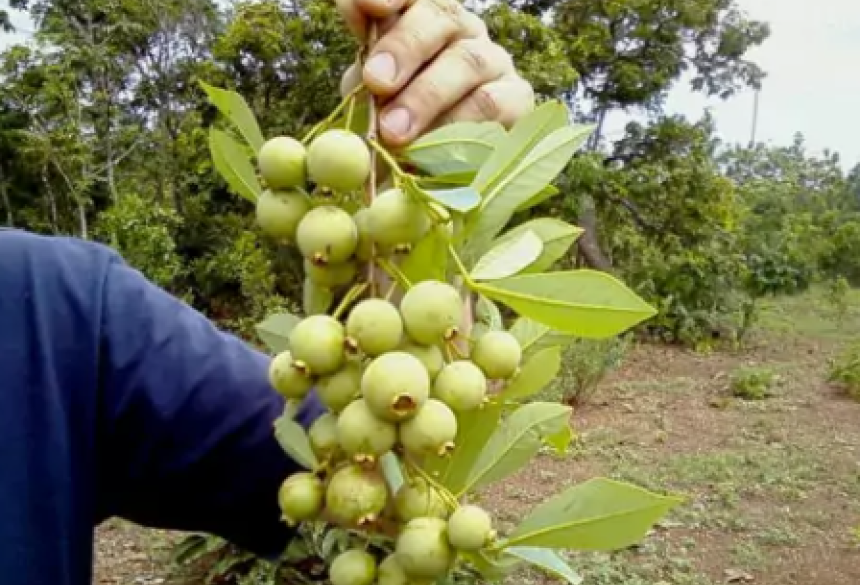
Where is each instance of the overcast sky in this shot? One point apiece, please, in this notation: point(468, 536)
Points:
point(812, 60)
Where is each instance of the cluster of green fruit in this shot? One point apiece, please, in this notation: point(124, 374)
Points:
point(394, 377)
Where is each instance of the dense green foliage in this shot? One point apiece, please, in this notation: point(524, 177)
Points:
point(103, 134)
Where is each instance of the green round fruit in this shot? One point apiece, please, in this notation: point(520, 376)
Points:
point(430, 355)
point(396, 218)
point(355, 496)
point(327, 235)
point(432, 311)
point(339, 159)
point(318, 342)
point(376, 326)
point(423, 550)
point(337, 390)
point(391, 573)
point(280, 212)
point(498, 354)
point(364, 248)
point(418, 499)
point(281, 162)
point(431, 432)
point(361, 434)
point(461, 385)
point(301, 497)
point(396, 386)
point(331, 275)
point(323, 437)
point(470, 528)
point(290, 379)
point(353, 567)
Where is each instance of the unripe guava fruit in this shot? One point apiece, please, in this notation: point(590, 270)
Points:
point(290, 379)
point(331, 275)
point(281, 162)
point(280, 212)
point(364, 248)
point(431, 432)
point(470, 528)
point(301, 497)
point(361, 433)
point(418, 499)
point(318, 342)
point(432, 311)
point(337, 390)
point(391, 573)
point(339, 159)
point(461, 385)
point(355, 496)
point(327, 235)
point(396, 218)
point(323, 436)
point(423, 550)
point(498, 354)
point(376, 326)
point(396, 386)
point(352, 567)
point(430, 355)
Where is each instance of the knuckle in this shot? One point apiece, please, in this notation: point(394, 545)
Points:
point(450, 9)
point(486, 103)
point(474, 54)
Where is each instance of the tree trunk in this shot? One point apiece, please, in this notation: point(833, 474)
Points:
point(589, 246)
point(4, 198)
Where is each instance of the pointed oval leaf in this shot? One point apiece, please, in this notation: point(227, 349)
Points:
point(474, 430)
point(234, 165)
point(234, 107)
point(509, 257)
point(274, 331)
point(455, 148)
point(461, 199)
point(537, 373)
point(428, 260)
point(534, 336)
point(556, 236)
point(523, 137)
point(600, 514)
point(544, 194)
point(537, 170)
point(295, 442)
point(460, 179)
point(586, 303)
point(547, 560)
point(316, 299)
point(516, 441)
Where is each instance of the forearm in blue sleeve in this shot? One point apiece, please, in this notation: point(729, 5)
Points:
point(188, 441)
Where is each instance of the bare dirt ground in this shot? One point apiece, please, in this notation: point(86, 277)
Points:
point(772, 486)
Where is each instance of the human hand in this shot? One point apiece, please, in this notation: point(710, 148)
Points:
point(434, 63)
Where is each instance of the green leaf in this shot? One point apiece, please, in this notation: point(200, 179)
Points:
point(547, 560)
point(556, 237)
point(534, 336)
point(525, 134)
point(294, 441)
point(274, 331)
point(586, 303)
point(560, 441)
point(600, 514)
point(516, 441)
point(487, 317)
point(455, 148)
point(457, 179)
point(474, 430)
point(536, 374)
point(392, 471)
point(234, 107)
point(316, 300)
point(534, 173)
point(544, 194)
point(234, 165)
point(509, 257)
point(428, 260)
point(462, 199)
point(360, 121)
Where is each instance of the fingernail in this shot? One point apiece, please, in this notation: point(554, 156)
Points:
point(397, 122)
point(382, 67)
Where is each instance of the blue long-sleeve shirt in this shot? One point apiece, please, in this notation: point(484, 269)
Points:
point(116, 399)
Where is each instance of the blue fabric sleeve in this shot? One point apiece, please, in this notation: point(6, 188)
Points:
point(187, 439)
